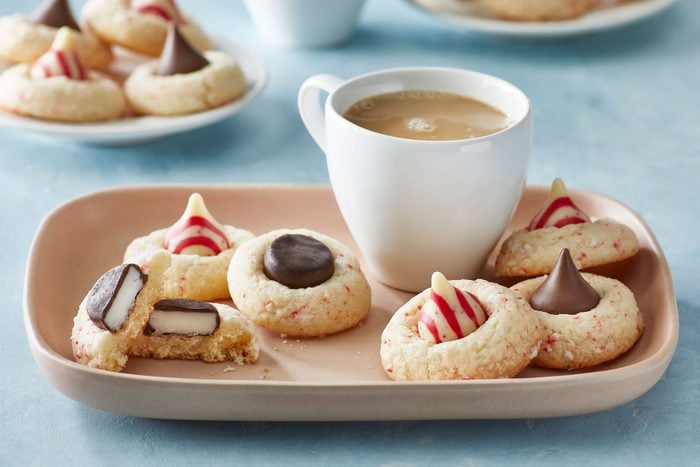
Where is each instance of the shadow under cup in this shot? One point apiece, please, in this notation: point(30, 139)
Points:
point(416, 206)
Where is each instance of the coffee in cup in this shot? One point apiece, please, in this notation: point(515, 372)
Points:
point(426, 115)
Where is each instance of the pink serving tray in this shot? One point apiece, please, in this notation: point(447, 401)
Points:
point(333, 378)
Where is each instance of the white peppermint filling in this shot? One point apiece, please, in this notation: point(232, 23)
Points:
point(185, 323)
point(124, 299)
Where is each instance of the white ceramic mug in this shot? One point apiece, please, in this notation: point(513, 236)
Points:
point(416, 206)
point(305, 23)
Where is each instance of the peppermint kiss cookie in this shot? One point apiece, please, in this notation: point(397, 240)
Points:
point(140, 25)
point(25, 38)
point(299, 282)
point(184, 81)
point(561, 224)
point(460, 330)
point(192, 330)
point(59, 87)
point(587, 319)
point(539, 10)
point(115, 311)
point(200, 248)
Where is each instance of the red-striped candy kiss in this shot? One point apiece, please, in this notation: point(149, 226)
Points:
point(165, 9)
point(449, 313)
point(61, 59)
point(197, 232)
point(559, 210)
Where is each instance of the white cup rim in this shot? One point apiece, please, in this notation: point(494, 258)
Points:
point(517, 91)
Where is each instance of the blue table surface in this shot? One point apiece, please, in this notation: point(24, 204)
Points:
point(616, 112)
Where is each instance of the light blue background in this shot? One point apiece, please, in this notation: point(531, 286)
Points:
point(617, 113)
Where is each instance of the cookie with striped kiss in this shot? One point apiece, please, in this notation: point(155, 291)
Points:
point(201, 249)
point(560, 224)
point(460, 329)
point(24, 38)
point(59, 86)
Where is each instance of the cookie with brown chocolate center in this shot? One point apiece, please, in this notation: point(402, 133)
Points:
point(299, 282)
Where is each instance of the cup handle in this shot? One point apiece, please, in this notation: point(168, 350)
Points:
point(310, 107)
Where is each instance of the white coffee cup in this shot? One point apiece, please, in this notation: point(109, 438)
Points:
point(416, 206)
point(305, 23)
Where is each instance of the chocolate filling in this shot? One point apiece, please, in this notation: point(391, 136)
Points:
point(298, 261)
point(565, 291)
point(178, 56)
point(54, 13)
point(101, 299)
point(179, 316)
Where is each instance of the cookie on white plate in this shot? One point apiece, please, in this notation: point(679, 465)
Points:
point(184, 80)
point(58, 86)
point(539, 10)
point(140, 25)
point(25, 38)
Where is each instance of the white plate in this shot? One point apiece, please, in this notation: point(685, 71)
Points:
point(141, 129)
point(469, 15)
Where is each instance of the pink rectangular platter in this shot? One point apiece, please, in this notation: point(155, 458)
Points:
point(333, 378)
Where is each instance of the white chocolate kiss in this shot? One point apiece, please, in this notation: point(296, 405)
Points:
point(197, 232)
point(559, 210)
point(184, 323)
point(124, 300)
point(458, 315)
point(61, 59)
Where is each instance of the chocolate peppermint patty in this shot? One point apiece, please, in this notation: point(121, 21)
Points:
point(298, 261)
point(113, 296)
point(179, 316)
point(565, 291)
point(54, 13)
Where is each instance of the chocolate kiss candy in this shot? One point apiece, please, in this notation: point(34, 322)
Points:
point(178, 56)
point(54, 13)
point(298, 261)
point(182, 317)
point(113, 296)
point(565, 291)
